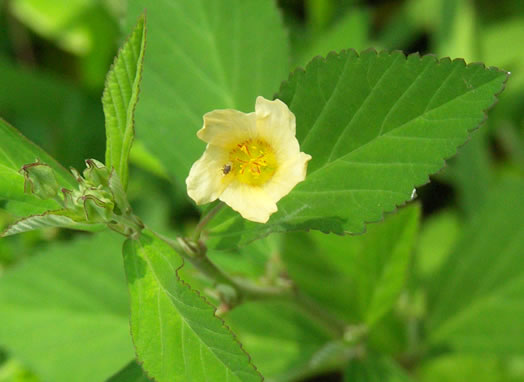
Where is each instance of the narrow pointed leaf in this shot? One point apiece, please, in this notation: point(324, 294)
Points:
point(16, 151)
point(176, 333)
point(376, 125)
point(57, 219)
point(120, 99)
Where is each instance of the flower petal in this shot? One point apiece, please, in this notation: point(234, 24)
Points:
point(227, 127)
point(251, 202)
point(276, 125)
point(289, 173)
point(206, 181)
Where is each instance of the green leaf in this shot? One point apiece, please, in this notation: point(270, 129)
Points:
point(377, 125)
point(57, 219)
point(375, 369)
point(477, 297)
point(176, 333)
point(204, 55)
point(15, 151)
point(65, 312)
point(131, 373)
point(280, 338)
point(460, 368)
point(53, 112)
point(352, 29)
point(498, 44)
point(120, 98)
point(457, 34)
point(472, 172)
point(370, 269)
point(438, 235)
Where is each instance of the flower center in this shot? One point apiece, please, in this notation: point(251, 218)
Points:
point(252, 162)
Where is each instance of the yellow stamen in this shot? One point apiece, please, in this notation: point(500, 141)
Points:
point(252, 162)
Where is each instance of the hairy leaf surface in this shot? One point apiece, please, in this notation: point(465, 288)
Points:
point(176, 333)
point(120, 99)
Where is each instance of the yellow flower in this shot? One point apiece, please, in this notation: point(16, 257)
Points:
point(251, 160)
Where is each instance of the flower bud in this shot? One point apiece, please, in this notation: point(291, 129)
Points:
point(40, 180)
point(97, 207)
point(96, 173)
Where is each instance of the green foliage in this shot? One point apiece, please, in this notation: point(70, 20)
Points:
point(57, 218)
point(484, 314)
point(371, 269)
point(64, 312)
point(60, 113)
point(175, 332)
point(266, 327)
point(85, 28)
point(389, 304)
point(204, 55)
point(351, 30)
point(17, 151)
point(453, 368)
point(120, 99)
point(376, 125)
point(437, 237)
point(131, 373)
point(375, 369)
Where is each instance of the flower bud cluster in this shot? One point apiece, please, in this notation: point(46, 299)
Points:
point(99, 198)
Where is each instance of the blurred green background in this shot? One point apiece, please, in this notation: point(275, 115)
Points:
point(54, 55)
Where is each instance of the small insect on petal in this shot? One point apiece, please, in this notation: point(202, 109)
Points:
point(226, 169)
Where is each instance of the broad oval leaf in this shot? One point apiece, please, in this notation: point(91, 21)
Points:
point(377, 125)
point(65, 313)
point(476, 299)
point(16, 151)
point(120, 98)
point(176, 333)
point(204, 55)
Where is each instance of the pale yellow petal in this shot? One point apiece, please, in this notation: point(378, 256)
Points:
point(276, 125)
point(227, 127)
point(288, 175)
point(206, 180)
point(251, 202)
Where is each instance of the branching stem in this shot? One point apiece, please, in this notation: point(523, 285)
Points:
point(245, 290)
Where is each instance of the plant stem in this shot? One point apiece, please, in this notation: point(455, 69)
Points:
point(195, 253)
point(246, 290)
point(335, 326)
point(205, 220)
